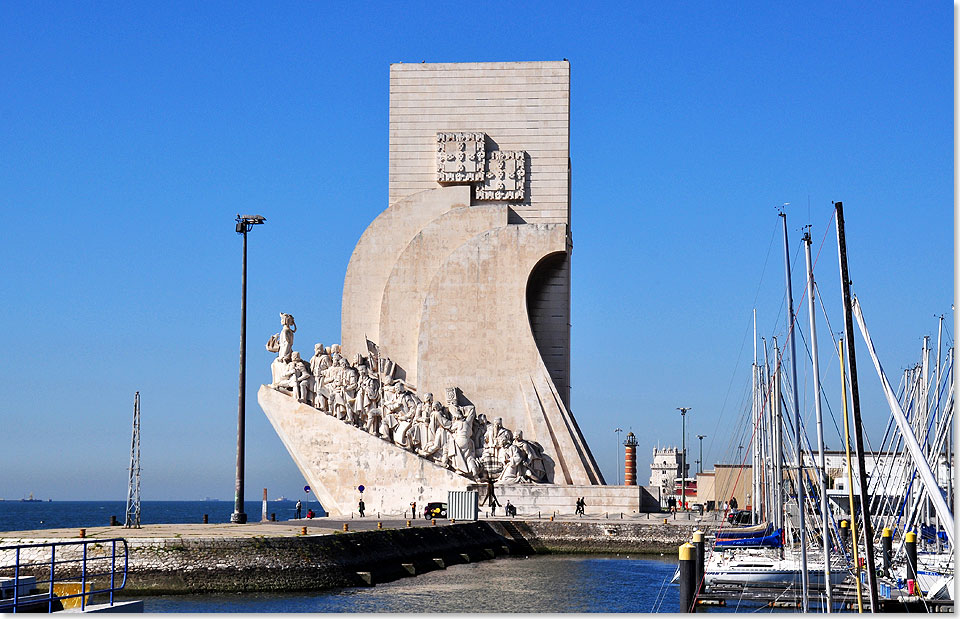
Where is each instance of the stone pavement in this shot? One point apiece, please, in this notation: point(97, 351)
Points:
point(326, 526)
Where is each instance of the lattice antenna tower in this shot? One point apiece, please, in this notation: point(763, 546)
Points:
point(132, 519)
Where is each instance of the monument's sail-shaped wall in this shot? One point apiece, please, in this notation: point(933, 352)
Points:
point(465, 279)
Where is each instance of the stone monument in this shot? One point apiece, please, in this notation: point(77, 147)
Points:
point(460, 287)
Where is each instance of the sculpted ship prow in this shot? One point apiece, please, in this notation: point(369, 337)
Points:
point(366, 397)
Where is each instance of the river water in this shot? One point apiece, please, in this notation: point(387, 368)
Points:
point(538, 584)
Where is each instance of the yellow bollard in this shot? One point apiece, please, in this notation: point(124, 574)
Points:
point(664, 521)
point(379, 525)
point(452, 521)
point(433, 521)
point(551, 518)
point(303, 530)
point(346, 527)
point(83, 532)
point(408, 523)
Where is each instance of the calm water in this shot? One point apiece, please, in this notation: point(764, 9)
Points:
point(18, 516)
point(539, 584)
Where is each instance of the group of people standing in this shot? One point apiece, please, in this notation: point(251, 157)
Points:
point(366, 395)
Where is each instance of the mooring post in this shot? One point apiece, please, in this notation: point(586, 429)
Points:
point(688, 585)
point(910, 540)
point(206, 519)
point(887, 543)
point(698, 545)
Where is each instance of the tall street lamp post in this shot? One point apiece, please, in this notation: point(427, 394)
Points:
point(683, 455)
point(618, 431)
point(701, 437)
point(245, 223)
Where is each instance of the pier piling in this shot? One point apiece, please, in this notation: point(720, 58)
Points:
point(886, 542)
point(910, 543)
point(698, 547)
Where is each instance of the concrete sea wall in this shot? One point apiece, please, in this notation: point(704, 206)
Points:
point(313, 562)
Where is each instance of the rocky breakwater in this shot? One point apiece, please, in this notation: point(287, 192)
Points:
point(606, 536)
point(288, 563)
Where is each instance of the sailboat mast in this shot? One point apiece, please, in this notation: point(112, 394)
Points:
point(765, 417)
point(822, 460)
point(755, 412)
point(777, 412)
point(801, 486)
point(855, 401)
point(853, 511)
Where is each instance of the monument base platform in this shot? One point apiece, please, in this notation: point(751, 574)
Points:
point(530, 499)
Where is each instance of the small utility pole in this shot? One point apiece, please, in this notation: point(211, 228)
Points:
point(683, 455)
point(701, 437)
point(132, 518)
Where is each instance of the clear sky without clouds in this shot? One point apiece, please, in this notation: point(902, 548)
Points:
point(132, 133)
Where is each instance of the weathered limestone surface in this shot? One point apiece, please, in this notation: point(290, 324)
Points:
point(375, 254)
point(336, 458)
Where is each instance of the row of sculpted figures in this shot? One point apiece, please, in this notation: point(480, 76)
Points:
point(367, 395)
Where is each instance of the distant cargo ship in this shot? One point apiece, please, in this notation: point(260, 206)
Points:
point(30, 499)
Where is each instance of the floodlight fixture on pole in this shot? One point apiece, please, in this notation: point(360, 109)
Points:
point(701, 437)
point(683, 455)
point(245, 223)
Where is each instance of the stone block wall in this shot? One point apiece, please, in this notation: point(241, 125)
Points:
point(519, 105)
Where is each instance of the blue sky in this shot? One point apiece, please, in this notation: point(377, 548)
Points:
point(133, 133)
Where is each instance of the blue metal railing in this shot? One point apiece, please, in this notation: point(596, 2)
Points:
point(75, 559)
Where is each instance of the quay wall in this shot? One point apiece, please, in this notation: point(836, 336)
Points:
point(603, 537)
point(363, 558)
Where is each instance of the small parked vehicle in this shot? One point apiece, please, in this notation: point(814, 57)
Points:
point(435, 510)
point(740, 517)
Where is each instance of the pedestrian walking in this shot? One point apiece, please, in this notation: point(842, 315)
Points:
point(361, 507)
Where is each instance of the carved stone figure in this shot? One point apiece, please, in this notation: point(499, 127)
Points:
point(368, 392)
point(534, 468)
point(513, 464)
point(319, 363)
point(463, 456)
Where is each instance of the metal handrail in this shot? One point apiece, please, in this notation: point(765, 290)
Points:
point(87, 569)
